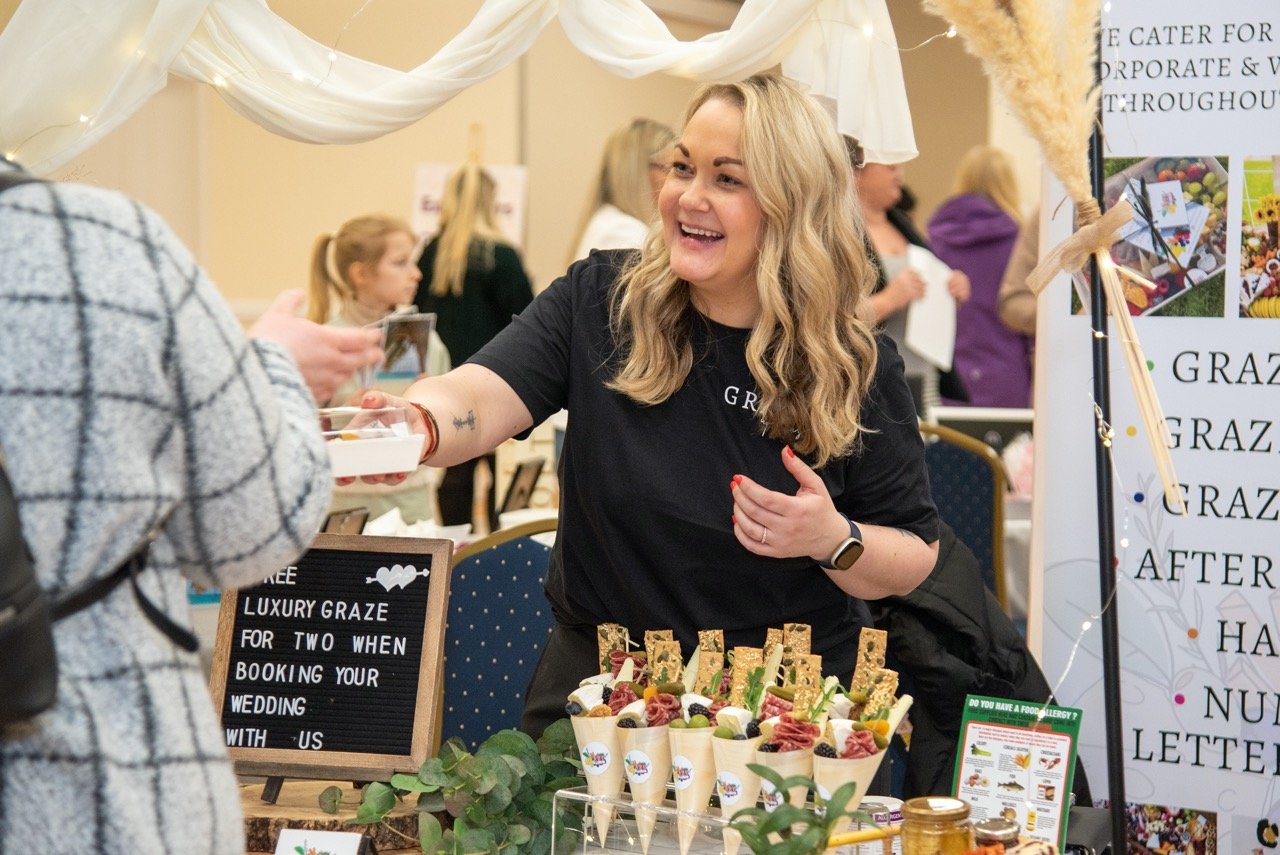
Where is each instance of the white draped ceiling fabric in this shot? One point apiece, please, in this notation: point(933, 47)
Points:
point(74, 70)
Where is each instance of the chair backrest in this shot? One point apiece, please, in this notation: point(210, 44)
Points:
point(968, 481)
point(498, 621)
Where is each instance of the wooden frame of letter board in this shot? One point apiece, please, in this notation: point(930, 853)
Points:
point(350, 765)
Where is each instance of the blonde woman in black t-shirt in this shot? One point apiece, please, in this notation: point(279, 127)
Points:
point(738, 436)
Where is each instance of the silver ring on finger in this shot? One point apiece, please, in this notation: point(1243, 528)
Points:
point(764, 536)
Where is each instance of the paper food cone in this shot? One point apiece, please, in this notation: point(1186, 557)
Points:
point(601, 755)
point(737, 785)
point(786, 764)
point(829, 773)
point(646, 759)
point(693, 771)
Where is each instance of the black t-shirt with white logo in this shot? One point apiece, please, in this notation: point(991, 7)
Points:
point(645, 534)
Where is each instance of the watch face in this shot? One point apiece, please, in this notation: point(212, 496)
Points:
point(848, 553)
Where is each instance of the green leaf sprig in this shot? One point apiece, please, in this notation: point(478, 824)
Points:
point(496, 800)
point(794, 829)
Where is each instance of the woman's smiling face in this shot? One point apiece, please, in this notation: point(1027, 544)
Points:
point(711, 220)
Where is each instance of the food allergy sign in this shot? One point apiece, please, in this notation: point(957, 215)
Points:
point(1016, 760)
point(331, 667)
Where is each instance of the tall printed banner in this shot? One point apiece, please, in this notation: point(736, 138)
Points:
point(1191, 100)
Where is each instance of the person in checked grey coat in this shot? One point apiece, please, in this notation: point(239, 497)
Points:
point(130, 398)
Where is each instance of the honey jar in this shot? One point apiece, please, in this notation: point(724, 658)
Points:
point(936, 825)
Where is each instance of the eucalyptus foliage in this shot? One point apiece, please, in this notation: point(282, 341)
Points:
point(794, 829)
point(498, 800)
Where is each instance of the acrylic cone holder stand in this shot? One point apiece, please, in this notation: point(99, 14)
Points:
point(694, 774)
point(646, 759)
point(737, 786)
point(599, 749)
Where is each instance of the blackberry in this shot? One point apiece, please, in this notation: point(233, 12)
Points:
point(627, 722)
point(767, 747)
point(699, 709)
point(825, 749)
point(572, 708)
point(604, 698)
point(753, 728)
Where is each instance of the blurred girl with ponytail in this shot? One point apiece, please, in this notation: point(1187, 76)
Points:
point(360, 274)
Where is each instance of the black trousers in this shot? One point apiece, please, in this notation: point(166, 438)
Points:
point(570, 654)
point(457, 492)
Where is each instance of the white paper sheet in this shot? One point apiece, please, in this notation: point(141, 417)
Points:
point(931, 320)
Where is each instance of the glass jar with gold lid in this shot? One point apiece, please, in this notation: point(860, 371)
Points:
point(936, 825)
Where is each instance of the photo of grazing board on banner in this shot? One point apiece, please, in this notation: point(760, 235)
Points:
point(331, 667)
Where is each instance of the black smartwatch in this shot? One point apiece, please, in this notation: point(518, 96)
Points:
point(849, 550)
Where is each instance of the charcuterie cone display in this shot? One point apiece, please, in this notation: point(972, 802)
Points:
point(646, 759)
point(706, 721)
point(599, 748)
point(694, 773)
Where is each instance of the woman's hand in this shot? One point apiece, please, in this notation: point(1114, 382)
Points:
point(372, 400)
point(958, 286)
point(778, 525)
point(905, 288)
point(326, 356)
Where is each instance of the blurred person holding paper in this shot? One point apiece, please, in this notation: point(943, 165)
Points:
point(974, 231)
point(916, 295)
point(474, 281)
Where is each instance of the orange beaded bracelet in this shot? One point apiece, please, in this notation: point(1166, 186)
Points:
point(433, 432)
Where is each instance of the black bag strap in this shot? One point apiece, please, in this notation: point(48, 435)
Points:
point(95, 589)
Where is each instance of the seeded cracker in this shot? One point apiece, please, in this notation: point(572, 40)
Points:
point(611, 637)
point(773, 639)
point(885, 693)
point(667, 665)
point(651, 637)
point(808, 680)
point(745, 660)
point(798, 639)
point(711, 639)
point(871, 647)
point(710, 661)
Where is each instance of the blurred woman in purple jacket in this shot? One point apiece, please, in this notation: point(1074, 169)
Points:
point(974, 231)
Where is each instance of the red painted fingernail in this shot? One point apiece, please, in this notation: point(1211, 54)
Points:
point(787, 451)
point(737, 479)
point(734, 519)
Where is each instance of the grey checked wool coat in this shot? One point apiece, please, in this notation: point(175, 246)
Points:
point(128, 392)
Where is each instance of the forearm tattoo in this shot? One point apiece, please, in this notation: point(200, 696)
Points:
point(469, 423)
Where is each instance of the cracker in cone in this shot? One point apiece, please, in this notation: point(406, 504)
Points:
point(737, 786)
point(786, 764)
point(601, 754)
point(646, 759)
point(694, 774)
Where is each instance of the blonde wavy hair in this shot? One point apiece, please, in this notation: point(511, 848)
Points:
point(360, 240)
point(468, 230)
point(985, 170)
point(810, 352)
point(622, 179)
